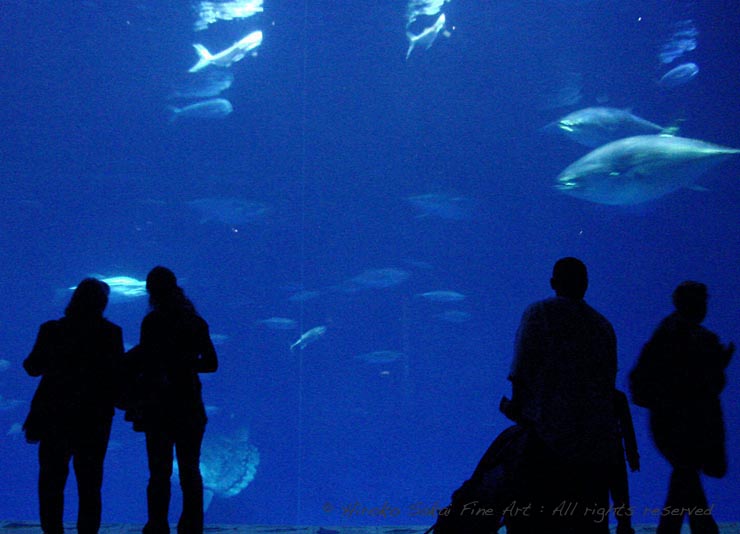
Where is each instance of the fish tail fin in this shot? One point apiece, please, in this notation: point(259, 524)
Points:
point(412, 43)
point(204, 58)
point(671, 131)
point(173, 111)
point(207, 498)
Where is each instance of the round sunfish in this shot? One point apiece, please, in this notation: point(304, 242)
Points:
point(597, 126)
point(639, 169)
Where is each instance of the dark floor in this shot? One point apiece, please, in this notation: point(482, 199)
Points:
point(28, 527)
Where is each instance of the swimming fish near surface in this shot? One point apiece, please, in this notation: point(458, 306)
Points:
point(207, 84)
point(214, 108)
point(679, 75)
point(639, 169)
point(597, 126)
point(308, 337)
point(427, 37)
point(226, 57)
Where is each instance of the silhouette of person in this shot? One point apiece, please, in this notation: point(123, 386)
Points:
point(563, 381)
point(78, 357)
point(174, 347)
point(627, 449)
point(679, 376)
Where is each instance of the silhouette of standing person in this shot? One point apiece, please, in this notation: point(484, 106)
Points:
point(77, 357)
point(679, 376)
point(174, 347)
point(563, 381)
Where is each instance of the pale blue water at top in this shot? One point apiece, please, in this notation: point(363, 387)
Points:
point(405, 205)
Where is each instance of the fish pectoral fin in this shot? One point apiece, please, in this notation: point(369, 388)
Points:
point(412, 44)
point(173, 111)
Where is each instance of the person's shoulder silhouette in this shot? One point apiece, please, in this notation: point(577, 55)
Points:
point(78, 359)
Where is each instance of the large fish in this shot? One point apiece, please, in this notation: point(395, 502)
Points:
point(597, 126)
point(122, 287)
point(228, 464)
point(226, 57)
point(641, 168)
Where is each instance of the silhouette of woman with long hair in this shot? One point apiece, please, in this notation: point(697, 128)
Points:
point(78, 358)
point(174, 347)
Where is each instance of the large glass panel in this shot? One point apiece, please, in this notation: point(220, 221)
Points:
point(361, 199)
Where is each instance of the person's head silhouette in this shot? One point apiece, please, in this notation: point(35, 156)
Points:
point(88, 300)
point(164, 293)
point(160, 282)
point(569, 278)
point(690, 300)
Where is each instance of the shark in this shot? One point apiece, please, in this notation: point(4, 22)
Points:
point(225, 58)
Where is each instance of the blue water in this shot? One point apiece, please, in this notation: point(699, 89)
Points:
point(332, 132)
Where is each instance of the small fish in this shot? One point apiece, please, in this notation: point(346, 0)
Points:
point(428, 36)
point(308, 337)
point(442, 296)
point(679, 75)
point(453, 316)
point(376, 279)
point(214, 108)
point(226, 57)
point(442, 205)
point(4, 365)
point(229, 211)
point(202, 85)
point(304, 295)
point(278, 323)
point(9, 404)
point(380, 356)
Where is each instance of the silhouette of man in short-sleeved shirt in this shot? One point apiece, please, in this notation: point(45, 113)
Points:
point(563, 381)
